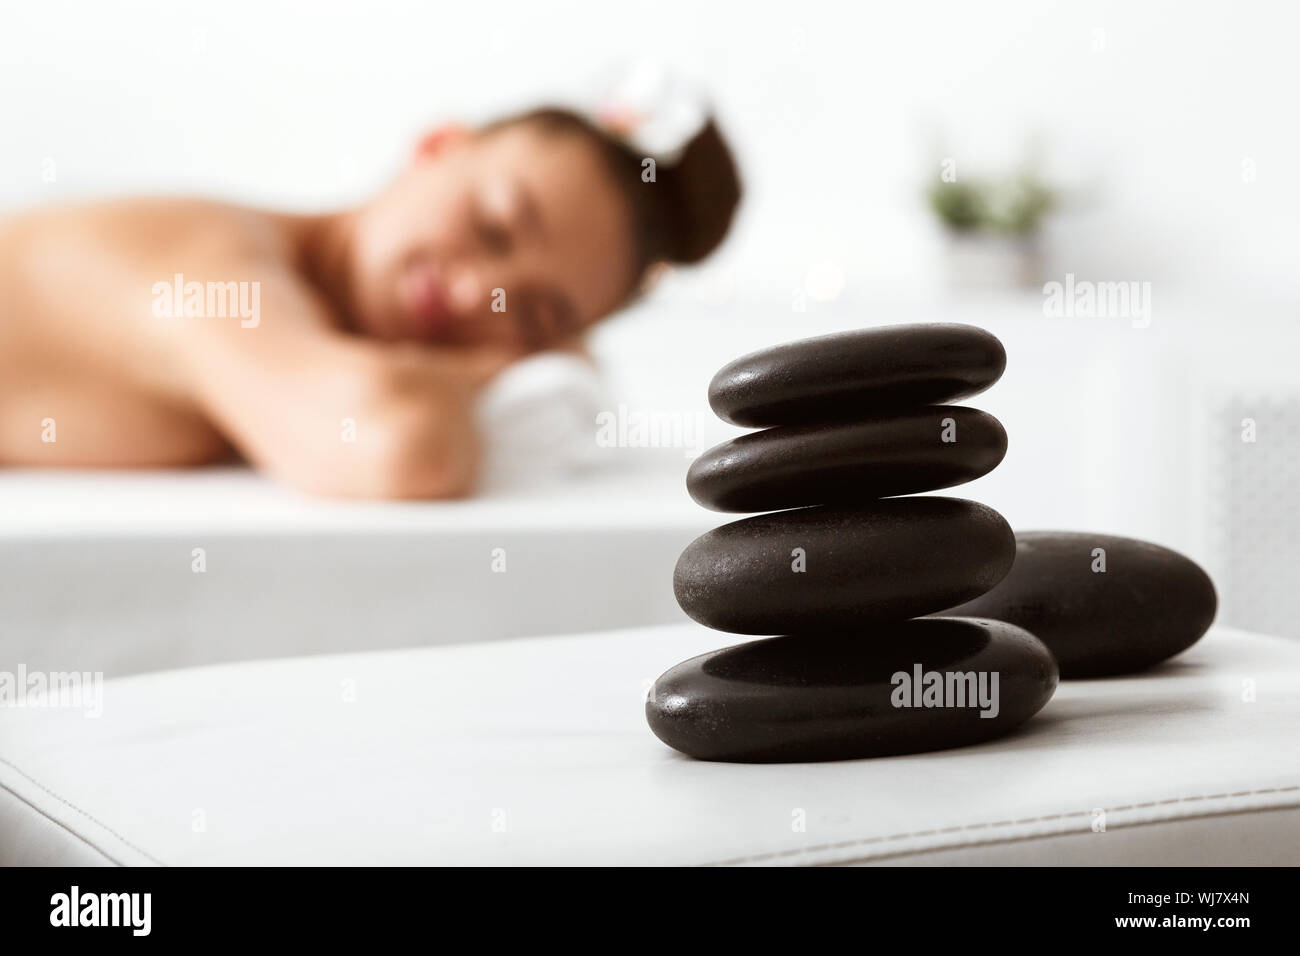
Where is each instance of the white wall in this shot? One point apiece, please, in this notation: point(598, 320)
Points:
point(838, 110)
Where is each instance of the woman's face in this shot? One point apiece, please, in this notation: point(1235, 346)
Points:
point(515, 238)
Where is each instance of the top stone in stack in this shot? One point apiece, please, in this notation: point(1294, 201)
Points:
point(850, 374)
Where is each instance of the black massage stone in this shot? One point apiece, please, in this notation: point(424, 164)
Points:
point(838, 568)
point(1148, 604)
point(840, 696)
point(851, 374)
point(791, 466)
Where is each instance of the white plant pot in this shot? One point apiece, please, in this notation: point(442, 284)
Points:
point(984, 261)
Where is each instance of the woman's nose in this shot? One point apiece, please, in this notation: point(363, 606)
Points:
point(465, 293)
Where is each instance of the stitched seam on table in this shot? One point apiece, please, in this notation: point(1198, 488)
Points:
point(76, 809)
point(1136, 824)
point(803, 851)
point(60, 824)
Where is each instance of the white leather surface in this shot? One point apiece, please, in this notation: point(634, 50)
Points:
point(536, 751)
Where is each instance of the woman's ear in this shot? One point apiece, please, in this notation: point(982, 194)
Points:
point(654, 274)
point(436, 140)
point(576, 344)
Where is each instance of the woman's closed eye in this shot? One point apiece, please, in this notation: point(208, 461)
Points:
point(533, 326)
point(500, 212)
point(543, 319)
point(494, 234)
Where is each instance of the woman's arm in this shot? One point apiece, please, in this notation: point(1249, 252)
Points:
point(335, 414)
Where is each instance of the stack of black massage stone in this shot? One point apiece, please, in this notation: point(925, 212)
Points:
point(846, 574)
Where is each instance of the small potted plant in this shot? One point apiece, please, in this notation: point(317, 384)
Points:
point(994, 227)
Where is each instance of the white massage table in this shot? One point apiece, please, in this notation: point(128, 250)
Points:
point(536, 751)
point(97, 569)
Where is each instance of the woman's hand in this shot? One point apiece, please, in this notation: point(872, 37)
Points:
point(414, 434)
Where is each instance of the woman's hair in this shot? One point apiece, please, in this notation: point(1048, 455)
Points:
point(684, 213)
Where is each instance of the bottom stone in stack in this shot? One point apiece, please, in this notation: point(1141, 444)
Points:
point(903, 687)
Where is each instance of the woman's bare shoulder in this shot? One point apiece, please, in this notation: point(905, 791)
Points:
point(166, 227)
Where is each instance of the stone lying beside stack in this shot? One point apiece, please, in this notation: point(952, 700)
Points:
point(1104, 605)
point(848, 419)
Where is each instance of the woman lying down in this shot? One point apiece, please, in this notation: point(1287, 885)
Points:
point(342, 353)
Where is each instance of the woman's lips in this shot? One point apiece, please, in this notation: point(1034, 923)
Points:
point(424, 300)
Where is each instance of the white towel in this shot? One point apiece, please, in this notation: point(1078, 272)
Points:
point(537, 420)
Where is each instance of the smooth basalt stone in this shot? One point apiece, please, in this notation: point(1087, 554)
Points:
point(835, 697)
point(893, 558)
point(1149, 604)
point(795, 465)
point(850, 374)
